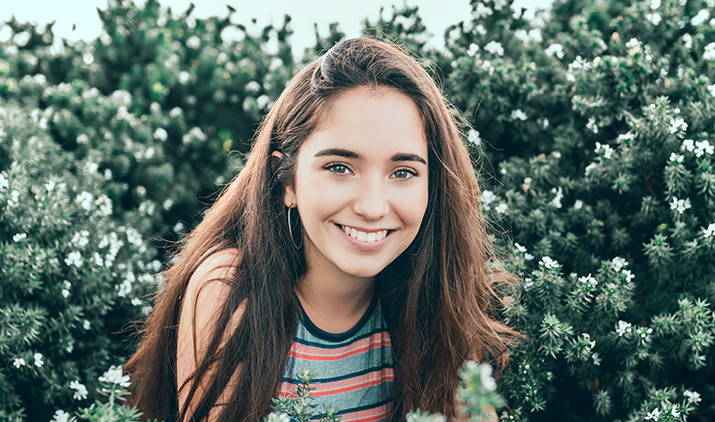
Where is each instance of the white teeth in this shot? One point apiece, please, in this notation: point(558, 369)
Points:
point(365, 237)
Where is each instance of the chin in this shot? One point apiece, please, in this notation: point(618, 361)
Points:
point(362, 272)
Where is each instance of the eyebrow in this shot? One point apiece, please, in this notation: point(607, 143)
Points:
point(400, 156)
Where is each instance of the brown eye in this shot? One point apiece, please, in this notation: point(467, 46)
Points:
point(407, 171)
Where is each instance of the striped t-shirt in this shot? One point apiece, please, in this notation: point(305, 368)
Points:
point(352, 371)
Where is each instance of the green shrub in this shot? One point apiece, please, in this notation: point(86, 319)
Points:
point(72, 274)
point(596, 120)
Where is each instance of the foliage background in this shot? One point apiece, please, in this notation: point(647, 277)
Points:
point(592, 138)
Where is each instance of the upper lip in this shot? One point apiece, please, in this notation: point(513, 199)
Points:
point(363, 229)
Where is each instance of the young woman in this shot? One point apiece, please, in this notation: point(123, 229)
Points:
point(351, 244)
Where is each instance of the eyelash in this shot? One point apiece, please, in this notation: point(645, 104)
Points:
point(410, 171)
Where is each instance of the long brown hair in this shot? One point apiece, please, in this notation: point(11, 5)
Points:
point(439, 300)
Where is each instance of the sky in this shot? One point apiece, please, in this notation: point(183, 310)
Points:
point(436, 14)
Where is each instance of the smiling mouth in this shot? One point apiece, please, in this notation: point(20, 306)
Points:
point(389, 232)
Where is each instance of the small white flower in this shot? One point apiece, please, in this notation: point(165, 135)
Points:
point(487, 197)
point(623, 328)
point(123, 97)
point(677, 125)
point(591, 125)
point(495, 48)
point(85, 200)
point(193, 42)
point(252, 87)
point(687, 40)
point(701, 17)
point(14, 199)
point(38, 359)
point(587, 338)
point(60, 416)
point(653, 415)
point(3, 181)
point(98, 261)
point(479, 29)
point(486, 65)
point(277, 63)
point(676, 158)
point(557, 199)
point(19, 236)
point(674, 411)
point(134, 237)
point(481, 11)
point(518, 114)
point(626, 137)
point(693, 396)
point(74, 258)
point(81, 238)
point(114, 376)
point(709, 51)
point(278, 417)
point(606, 149)
point(618, 263)
point(18, 362)
point(549, 263)
point(21, 38)
point(262, 101)
point(589, 280)
point(104, 205)
point(184, 77)
point(86, 324)
point(485, 374)
point(473, 49)
point(473, 137)
point(680, 205)
point(175, 112)
point(633, 43)
point(654, 18)
point(161, 134)
point(703, 147)
point(710, 231)
point(522, 35)
point(596, 359)
point(178, 227)
point(80, 390)
point(555, 50)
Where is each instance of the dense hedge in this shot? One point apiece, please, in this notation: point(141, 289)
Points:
point(593, 138)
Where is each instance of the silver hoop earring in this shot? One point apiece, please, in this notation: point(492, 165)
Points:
point(290, 230)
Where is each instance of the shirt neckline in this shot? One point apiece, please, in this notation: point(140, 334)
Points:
point(325, 335)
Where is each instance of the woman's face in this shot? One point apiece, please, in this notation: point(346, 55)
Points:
point(364, 167)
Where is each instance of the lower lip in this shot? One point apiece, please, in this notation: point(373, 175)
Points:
point(364, 246)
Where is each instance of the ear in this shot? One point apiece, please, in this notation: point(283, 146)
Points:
point(289, 193)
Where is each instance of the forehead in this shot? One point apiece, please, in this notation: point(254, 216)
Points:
point(375, 123)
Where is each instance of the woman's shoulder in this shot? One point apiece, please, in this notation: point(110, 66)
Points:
point(218, 265)
point(211, 282)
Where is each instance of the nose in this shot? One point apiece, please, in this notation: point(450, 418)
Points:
point(371, 202)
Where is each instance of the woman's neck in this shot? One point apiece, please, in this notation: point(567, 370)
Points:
point(328, 297)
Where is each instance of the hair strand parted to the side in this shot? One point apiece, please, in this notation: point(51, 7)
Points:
point(438, 298)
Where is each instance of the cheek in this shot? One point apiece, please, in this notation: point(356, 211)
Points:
point(412, 205)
